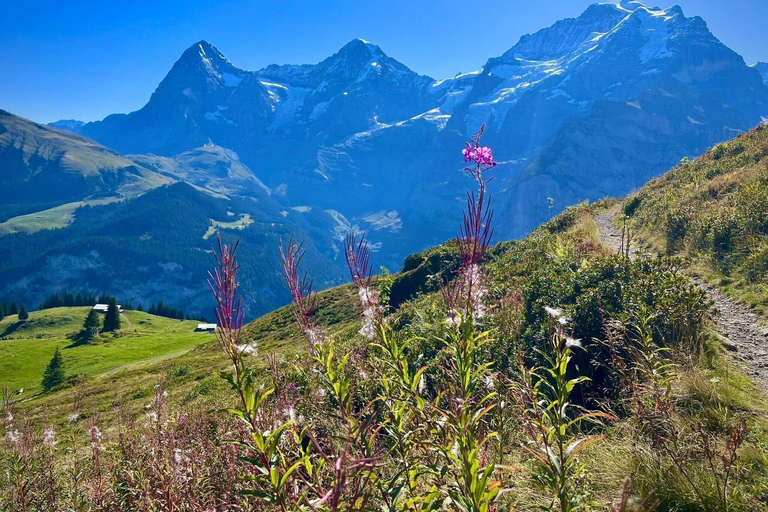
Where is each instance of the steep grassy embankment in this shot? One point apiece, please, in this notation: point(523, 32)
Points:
point(714, 210)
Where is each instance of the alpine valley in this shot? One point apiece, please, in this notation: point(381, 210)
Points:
point(130, 205)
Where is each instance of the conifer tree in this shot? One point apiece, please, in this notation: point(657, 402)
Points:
point(23, 315)
point(54, 373)
point(112, 318)
point(92, 320)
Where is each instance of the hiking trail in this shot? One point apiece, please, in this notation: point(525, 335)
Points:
point(738, 326)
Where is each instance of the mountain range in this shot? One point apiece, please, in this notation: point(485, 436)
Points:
point(592, 106)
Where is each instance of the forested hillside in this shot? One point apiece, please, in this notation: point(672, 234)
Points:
point(158, 247)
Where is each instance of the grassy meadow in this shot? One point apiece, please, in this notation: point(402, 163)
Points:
point(26, 347)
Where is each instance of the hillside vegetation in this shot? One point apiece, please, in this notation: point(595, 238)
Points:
point(560, 264)
point(714, 210)
point(158, 247)
point(42, 165)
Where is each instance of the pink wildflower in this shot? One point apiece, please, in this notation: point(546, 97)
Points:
point(469, 153)
point(484, 156)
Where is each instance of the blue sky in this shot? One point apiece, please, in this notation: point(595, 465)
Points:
point(87, 59)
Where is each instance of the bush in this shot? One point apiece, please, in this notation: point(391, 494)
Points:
point(594, 292)
point(676, 229)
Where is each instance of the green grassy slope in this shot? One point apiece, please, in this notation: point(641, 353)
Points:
point(41, 164)
point(125, 370)
point(26, 347)
point(714, 210)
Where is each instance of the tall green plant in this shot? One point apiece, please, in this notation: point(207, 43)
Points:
point(552, 423)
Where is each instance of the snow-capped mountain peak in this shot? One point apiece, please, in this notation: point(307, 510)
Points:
point(356, 61)
point(201, 69)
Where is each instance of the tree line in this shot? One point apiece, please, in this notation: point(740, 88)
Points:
point(58, 300)
point(12, 308)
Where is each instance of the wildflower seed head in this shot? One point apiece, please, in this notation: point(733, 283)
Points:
point(572, 342)
point(49, 437)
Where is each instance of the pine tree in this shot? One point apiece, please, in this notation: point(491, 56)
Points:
point(23, 315)
point(92, 320)
point(112, 318)
point(54, 373)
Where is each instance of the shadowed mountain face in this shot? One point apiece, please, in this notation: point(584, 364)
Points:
point(71, 125)
point(590, 106)
point(762, 68)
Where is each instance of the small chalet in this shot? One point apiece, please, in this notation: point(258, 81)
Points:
point(206, 327)
point(102, 308)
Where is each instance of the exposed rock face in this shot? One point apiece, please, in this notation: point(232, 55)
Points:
point(590, 106)
point(71, 125)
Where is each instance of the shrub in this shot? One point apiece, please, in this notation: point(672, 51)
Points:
point(676, 229)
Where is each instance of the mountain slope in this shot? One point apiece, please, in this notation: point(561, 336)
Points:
point(762, 68)
point(211, 167)
point(712, 209)
point(158, 247)
point(40, 165)
point(70, 125)
point(594, 105)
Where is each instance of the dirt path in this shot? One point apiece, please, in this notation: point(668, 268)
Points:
point(147, 361)
point(740, 327)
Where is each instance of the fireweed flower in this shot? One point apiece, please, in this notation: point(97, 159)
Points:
point(358, 256)
point(554, 313)
point(95, 434)
point(477, 291)
point(465, 296)
point(304, 304)
point(314, 336)
point(249, 349)
point(484, 156)
point(468, 153)
point(14, 436)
